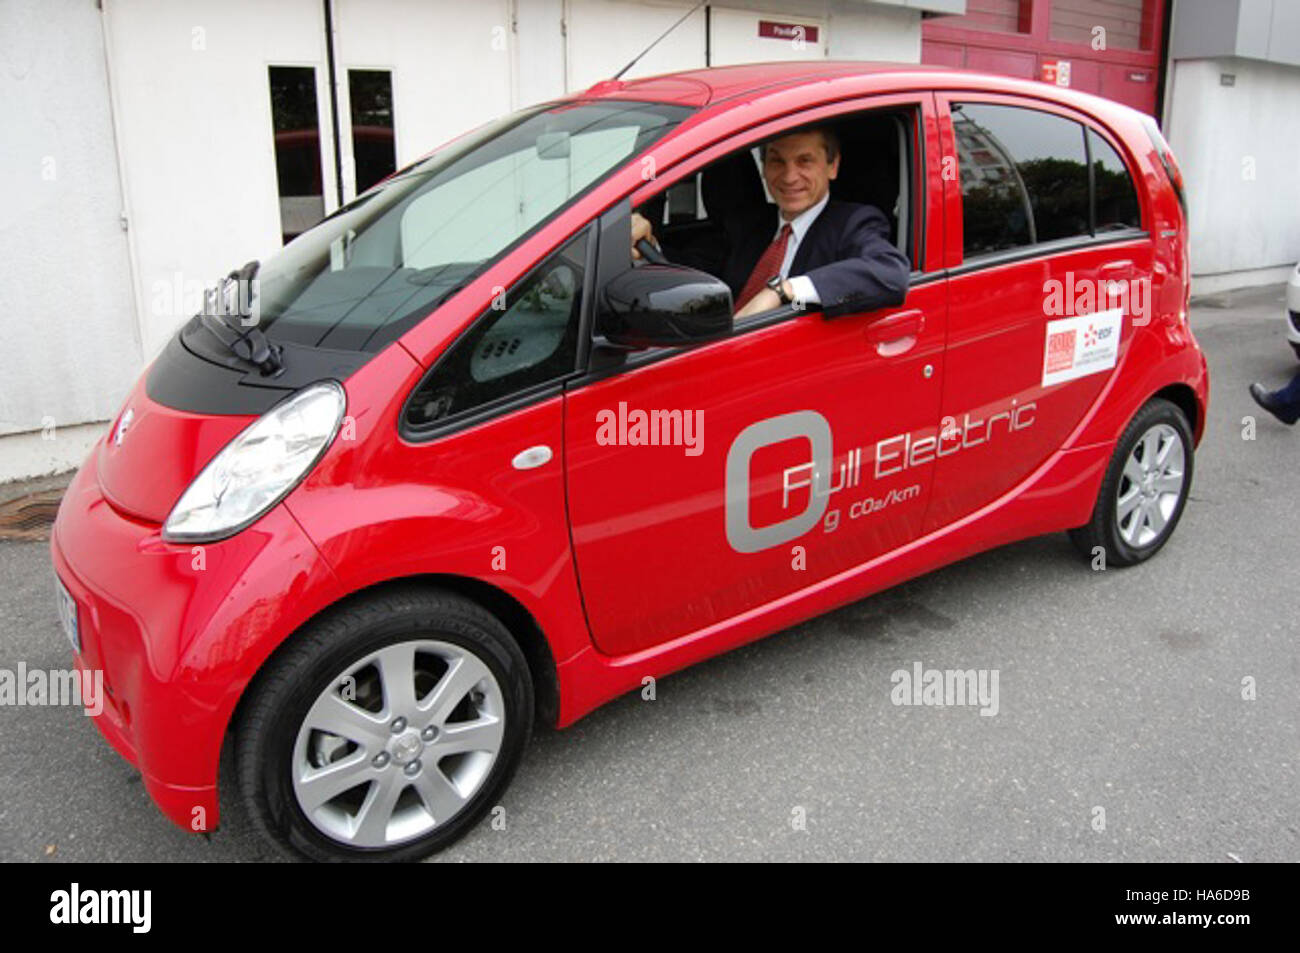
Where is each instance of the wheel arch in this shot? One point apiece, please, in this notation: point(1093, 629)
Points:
point(1184, 398)
point(521, 624)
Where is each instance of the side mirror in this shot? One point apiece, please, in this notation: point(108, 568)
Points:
point(664, 306)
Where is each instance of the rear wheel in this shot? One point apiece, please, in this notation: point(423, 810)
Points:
point(1145, 487)
point(386, 729)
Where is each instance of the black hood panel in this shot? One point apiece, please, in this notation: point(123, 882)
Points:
point(195, 373)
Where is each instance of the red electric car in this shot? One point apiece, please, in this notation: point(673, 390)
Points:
point(463, 462)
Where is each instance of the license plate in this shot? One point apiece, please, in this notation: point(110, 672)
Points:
point(68, 616)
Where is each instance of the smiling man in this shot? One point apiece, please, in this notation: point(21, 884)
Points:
point(816, 250)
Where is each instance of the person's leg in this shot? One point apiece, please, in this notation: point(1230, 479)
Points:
point(1290, 394)
point(1283, 404)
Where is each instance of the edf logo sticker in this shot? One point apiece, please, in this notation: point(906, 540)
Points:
point(1096, 335)
point(807, 424)
point(1082, 345)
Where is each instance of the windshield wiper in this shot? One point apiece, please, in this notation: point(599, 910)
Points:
point(247, 343)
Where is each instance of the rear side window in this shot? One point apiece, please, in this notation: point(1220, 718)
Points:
point(530, 342)
point(1117, 203)
point(1024, 177)
point(1029, 176)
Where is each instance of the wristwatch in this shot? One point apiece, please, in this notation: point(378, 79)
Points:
point(777, 284)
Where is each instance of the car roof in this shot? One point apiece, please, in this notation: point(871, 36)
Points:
point(714, 84)
point(733, 85)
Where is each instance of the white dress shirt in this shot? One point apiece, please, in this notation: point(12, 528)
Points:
point(805, 292)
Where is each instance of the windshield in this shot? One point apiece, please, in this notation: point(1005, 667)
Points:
point(378, 265)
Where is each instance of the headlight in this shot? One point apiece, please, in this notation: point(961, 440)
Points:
point(258, 468)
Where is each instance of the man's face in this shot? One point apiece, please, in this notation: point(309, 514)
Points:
point(796, 171)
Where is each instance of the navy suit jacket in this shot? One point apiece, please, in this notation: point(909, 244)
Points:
point(846, 252)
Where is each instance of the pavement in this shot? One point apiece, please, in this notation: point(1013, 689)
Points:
point(1122, 731)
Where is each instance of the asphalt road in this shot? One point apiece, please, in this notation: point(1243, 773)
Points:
point(1118, 690)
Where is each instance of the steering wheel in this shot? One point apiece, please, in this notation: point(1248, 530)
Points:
point(650, 253)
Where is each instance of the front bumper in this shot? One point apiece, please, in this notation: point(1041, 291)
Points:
point(1293, 307)
point(178, 632)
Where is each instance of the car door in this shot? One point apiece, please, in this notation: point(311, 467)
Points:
point(1045, 277)
point(773, 485)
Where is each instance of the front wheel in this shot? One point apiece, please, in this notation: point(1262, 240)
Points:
point(1145, 487)
point(385, 729)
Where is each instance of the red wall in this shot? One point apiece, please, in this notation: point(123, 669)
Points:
point(1017, 37)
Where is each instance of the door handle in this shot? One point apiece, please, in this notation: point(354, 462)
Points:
point(532, 458)
point(1114, 276)
point(895, 327)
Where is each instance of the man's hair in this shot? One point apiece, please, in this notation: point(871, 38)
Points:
point(829, 139)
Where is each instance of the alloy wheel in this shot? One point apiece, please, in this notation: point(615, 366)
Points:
point(1151, 486)
point(398, 743)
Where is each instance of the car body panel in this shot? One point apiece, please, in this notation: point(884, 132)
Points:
point(630, 534)
point(452, 506)
point(809, 366)
point(146, 486)
point(1051, 499)
point(179, 631)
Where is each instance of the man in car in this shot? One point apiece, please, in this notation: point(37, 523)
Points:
point(816, 250)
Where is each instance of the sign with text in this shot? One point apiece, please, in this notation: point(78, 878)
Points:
point(1056, 72)
point(787, 31)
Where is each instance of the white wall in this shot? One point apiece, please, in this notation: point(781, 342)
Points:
point(451, 65)
point(851, 30)
point(1238, 149)
point(888, 34)
point(194, 114)
point(735, 37)
point(539, 51)
point(44, 452)
point(603, 35)
point(67, 321)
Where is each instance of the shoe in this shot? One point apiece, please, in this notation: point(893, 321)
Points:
point(1265, 399)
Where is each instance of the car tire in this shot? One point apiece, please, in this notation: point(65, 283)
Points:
point(430, 747)
point(1141, 500)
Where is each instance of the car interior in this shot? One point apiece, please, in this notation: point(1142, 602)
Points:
point(693, 218)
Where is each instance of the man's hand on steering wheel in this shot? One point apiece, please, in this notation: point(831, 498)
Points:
point(642, 230)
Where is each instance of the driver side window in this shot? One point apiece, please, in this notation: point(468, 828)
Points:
point(531, 341)
point(722, 217)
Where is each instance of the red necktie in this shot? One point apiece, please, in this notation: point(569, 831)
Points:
point(769, 264)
